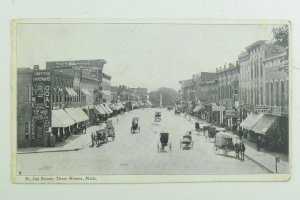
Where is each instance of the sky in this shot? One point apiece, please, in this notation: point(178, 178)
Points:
point(139, 55)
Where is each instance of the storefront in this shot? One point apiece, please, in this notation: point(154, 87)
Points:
point(251, 120)
point(61, 123)
point(218, 114)
point(232, 119)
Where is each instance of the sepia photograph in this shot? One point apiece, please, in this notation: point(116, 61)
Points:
point(138, 101)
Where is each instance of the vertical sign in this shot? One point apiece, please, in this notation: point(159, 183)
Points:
point(41, 104)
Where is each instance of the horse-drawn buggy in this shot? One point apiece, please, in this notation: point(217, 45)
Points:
point(110, 129)
point(164, 144)
point(169, 108)
point(157, 116)
point(99, 135)
point(135, 127)
point(224, 143)
point(187, 141)
point(198, 129)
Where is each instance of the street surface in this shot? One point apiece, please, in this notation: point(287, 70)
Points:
point(137, 153)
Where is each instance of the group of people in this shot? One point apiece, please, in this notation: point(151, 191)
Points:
point(240, 150)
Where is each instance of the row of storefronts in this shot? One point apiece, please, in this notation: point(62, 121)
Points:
point(249, 98)
point(64, 99)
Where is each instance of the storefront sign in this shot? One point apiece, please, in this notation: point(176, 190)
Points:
point(41, 103)
point(218, 108)
point(231, 113)
point(262, 109)
point(90, 73)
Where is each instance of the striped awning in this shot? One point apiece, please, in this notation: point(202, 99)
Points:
point(61, 119)
point(264, 124)
point(251, 120)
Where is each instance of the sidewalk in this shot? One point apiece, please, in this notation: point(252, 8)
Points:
point(266, 159)
point(72, 143)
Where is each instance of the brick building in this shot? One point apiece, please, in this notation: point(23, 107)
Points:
point(24, 110)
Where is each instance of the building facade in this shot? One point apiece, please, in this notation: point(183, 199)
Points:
point(24, 110)
point(228, 96)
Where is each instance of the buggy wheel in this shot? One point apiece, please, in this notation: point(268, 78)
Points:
point(157, 147)
point(170, 147)
point(180, 145)
point(192, 145)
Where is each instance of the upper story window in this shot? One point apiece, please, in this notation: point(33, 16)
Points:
point(27, 93)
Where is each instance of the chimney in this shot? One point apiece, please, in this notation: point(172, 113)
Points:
point(36, 67)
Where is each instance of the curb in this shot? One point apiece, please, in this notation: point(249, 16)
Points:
point(259, 164)
point(51, 151)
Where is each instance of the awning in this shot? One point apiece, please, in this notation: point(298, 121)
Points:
point(82, 114)
point(68, 91)
point(99, 110)
point(117, 106)
point(198, 108)
point(104, 108)
point(251, 120)
point(108, 108)
point(85, 92)
point(73, 92)
point(264, 124)
point(73, 114)
point(121, 105)
point(61, 119)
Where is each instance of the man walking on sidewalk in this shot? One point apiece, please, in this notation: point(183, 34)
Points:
point(258, 143)
point(242, 150)
point(237, 150)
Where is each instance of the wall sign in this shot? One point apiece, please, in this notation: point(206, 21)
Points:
point(41, 104)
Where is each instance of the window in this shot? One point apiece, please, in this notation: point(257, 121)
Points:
point(261, 96)
point(267, 94)
point(271, 96)
point(27, 128)
point(261, 68)
point(27, 93)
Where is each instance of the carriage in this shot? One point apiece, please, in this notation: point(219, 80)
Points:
point(99, 135)
point(224, 143)
point(110, 129)
point(157, 117)
point(135, 127)
point(187, 141)
point(169, 108)
point(197, 127)
point(164, 144)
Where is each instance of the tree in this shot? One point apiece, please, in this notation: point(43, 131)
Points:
point(169, 96)
point(281, 36)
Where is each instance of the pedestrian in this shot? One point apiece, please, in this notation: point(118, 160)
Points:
point(258, 143)
point(84, 127)
point(237, 150)
point(241, 133)
point(242, 150)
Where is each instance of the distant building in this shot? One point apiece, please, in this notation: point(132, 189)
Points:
point(105, 89)
point(228, 95)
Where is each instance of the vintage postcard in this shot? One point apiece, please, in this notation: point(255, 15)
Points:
point(150, 100)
